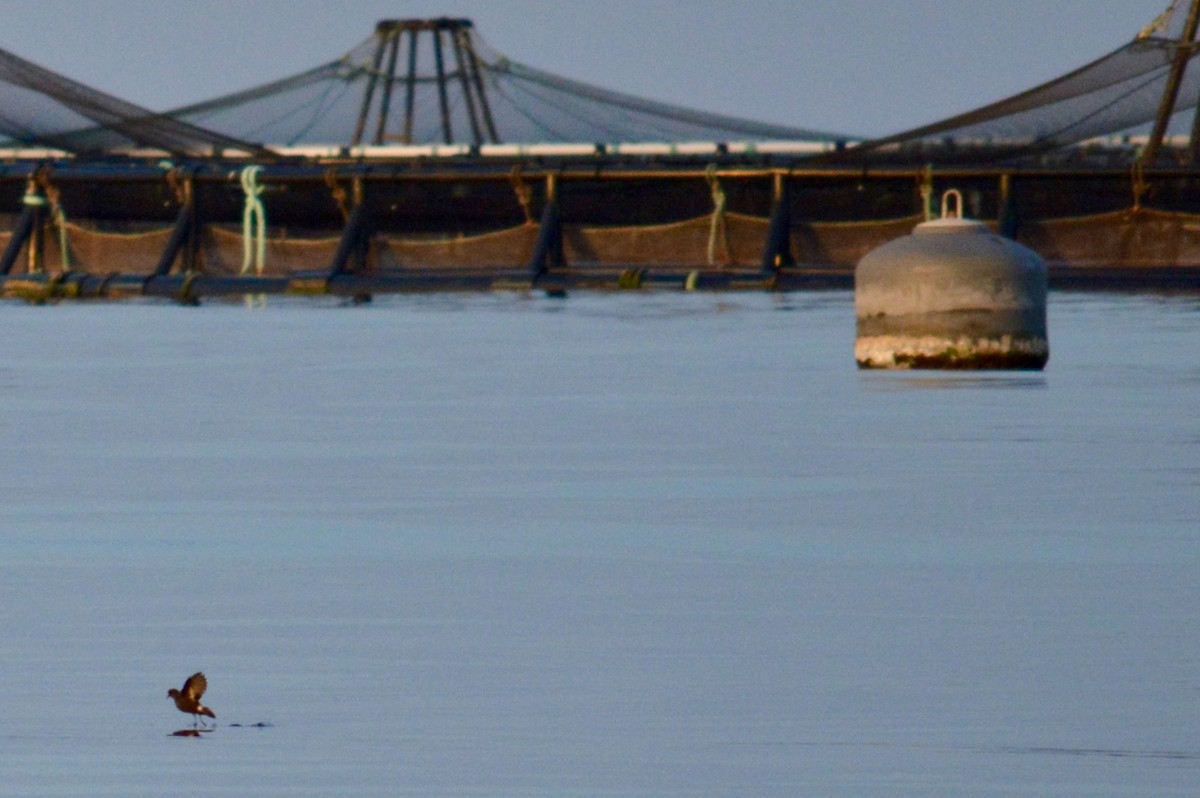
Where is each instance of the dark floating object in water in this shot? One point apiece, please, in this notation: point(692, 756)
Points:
point(259, 725)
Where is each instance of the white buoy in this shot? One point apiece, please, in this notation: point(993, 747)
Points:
point(953, 295)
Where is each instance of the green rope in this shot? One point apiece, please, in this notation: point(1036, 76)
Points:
point(64, 243)
point(254, 223)
point(58, 218)
point(927, 199)
point(718, 218)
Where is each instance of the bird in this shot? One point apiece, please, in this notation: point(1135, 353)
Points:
point(188, 699)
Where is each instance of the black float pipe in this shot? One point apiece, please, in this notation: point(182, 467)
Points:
point(180, 236)
point(548, 249)
point(354, 241)
point(31, 216)
point(778, 250)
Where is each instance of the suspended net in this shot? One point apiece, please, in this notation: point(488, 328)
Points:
point(40, 108)
point(437, 82)
point(427, 82)
point(1114, 96)
point(1131, 238)
point(730, 243)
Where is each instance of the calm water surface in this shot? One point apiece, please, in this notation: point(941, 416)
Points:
point(628, 545)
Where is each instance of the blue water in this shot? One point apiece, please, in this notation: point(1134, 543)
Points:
point(630, 544)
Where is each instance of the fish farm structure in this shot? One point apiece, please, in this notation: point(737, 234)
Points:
point(424, 160)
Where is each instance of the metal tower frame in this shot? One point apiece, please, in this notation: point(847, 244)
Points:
point(1184, 50)
point(446, 33)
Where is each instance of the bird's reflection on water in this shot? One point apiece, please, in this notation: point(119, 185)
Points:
point(191, 732)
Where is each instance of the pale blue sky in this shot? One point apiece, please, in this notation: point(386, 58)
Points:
point(855, 66)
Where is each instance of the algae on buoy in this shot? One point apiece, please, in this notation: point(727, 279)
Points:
point(953, 295)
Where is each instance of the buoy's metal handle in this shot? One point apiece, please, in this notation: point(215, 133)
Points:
point(958, 204)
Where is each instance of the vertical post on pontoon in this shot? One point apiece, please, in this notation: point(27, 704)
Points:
point(1166, 108)
point(180, 240)
point(778, 251)
point(1009, 222)
point(548, 249)
point(31, 218)
point(356, 237)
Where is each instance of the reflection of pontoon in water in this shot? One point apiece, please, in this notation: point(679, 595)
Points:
point(422, 159)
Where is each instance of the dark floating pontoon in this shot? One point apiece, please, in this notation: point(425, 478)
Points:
point(423, 160)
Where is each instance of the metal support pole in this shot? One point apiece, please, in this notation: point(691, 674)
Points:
point(410, 87)
point(389, 77)
point(464, 80)
point(447, 132)
point(382, 32)
point(480, 90)
point(1171, 93)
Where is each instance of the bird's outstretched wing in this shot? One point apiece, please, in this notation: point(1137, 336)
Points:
point(195, 686)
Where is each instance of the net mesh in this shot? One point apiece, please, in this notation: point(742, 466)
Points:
point(1138, 238)
point(1118, 94)
point(42, 108)
point(436, 81)
point(1133, 237)
point(505, 249)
